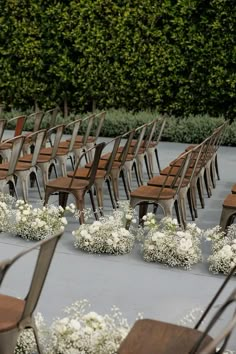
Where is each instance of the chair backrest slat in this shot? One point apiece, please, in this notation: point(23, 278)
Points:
point(58, 131)
point(38, 137)
point(76, 125)
point(16, 148)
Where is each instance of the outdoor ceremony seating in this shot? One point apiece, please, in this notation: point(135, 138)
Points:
point(157, 337)
point(44, 162)
point(7, 170)
point(102, 174)
point(164, 196)
point(78, 187)
point(65, 148)
point(17, 314)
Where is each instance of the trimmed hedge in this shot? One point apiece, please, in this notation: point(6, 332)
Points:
point(192, 129)
point(177, 57)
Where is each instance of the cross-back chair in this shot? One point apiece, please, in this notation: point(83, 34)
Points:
point(76, 186)
point(165, 196)
point(157, 337)
point(17, 314)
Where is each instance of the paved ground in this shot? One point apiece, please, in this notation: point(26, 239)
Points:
point(126, 281)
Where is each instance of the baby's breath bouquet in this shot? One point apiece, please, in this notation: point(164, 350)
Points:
point(87, 332)
point(223, 257)
point(6, 205)
point(167, 243)
point(108, 235)
point(36, 223)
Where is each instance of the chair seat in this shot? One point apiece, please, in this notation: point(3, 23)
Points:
point(20, 166)
point(11, 310)
point(156, 337)
point(160, 180)
point(83, 173)
point(230, 201)
point(79, 139)
point(64, 182)
point(41, 158)
point(48, 151)
point(152, 193)
point(103, 164)
point(174, 171)
point(5, 146)
point(233, 189)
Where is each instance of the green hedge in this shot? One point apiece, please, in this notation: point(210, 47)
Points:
point(192, 129)
point(175, 56)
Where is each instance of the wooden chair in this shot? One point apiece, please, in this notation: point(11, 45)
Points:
point(102, 174)
point(50, 120)
point(17, 314)
point(7, 170)
point(228, 213)
point(78, 187)
point(156, 337)
point(44, 162)
point(65, 148)
point(163, 196)
point(5, 151)
point(118, 168)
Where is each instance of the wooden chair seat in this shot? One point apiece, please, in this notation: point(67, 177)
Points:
point(79, 139)
point(151, 192)
point(160, 180)
point(63, 183)
point(103, 163)
point(5, 146)
point(82, 172)
point(233, 189)
point(156, 337)
point(174, 171)
point(230, 201)
point(41, 158)
point(48, 151)
point(11, 310)
point(228, 211)
point(20, 166)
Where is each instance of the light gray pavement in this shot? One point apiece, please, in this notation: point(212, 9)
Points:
point(125, 281)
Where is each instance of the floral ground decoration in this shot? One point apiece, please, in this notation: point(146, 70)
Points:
point(167, 243)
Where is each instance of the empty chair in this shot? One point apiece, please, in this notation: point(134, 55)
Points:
point(76, 186)
point(157, 337)
point(228, 213)
point(17, 314)
point(163, 196)
point(7, 170)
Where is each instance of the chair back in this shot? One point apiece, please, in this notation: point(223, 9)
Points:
point(38, 138)
point(158, 135)
point(20, 122)
point(94, 165)
point(89, 121)
point(151, 128)
point(99, 119)
point(51, 117)
point(2, 127)
point(114, 151)
point(76, 125)
point(16, 148)
point(57, 131)
point(37, 119)
point(45, 254)
point(141, 132)
point(126, 148)
point(224, 335)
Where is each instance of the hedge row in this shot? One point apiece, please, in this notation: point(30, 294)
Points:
point(192, 129)
point(175, 56)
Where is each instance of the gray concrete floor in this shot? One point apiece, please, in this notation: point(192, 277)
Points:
point(127, 281)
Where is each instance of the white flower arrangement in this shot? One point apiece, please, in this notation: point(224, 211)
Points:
point(36, 223)
point(223, 257)
point(108, 235)
point(87, 332)
point(80, 331)
point(167, 243)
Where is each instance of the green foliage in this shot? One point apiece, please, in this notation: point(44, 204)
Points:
point(175, 56)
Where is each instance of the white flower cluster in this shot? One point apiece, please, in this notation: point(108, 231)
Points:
point(87, 332)
point(36, 223)
point(108, 235)
point(223, 257)
point(167, 243)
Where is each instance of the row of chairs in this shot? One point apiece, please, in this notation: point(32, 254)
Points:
point(181, 180)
